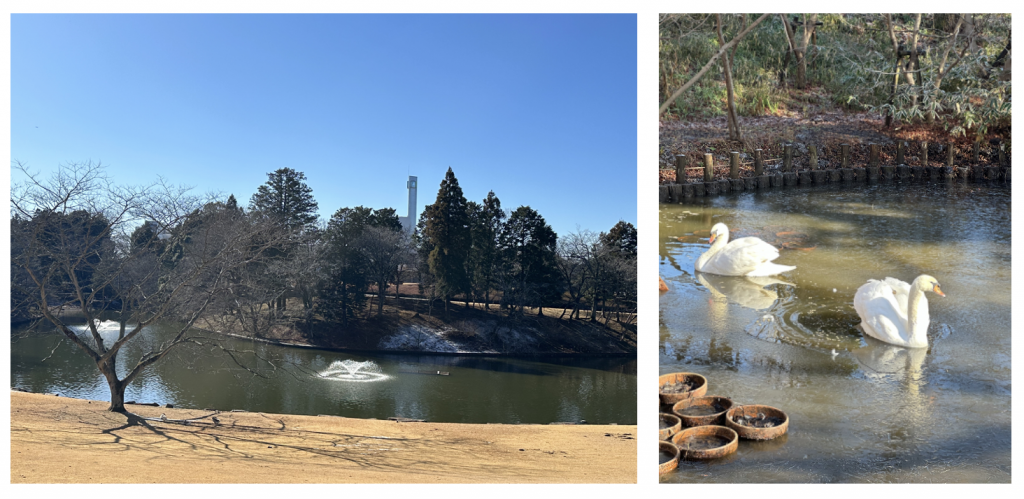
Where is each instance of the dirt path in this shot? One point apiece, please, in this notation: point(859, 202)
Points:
point(63, 440)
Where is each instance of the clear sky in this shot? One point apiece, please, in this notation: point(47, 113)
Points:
point(541, 109)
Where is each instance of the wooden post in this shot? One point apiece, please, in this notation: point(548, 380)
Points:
point(680, 168)
point(709, 167)
point(873, 156)
point(845, 162)
point(976, 152)
point(787, 158)
point(758, 164)
point(899, 153)
point(924, 153)
point(813, 152)
point(734, 165)
point(949, 158)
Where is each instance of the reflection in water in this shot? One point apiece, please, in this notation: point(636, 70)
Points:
point(308, 381)
point(750, 292)
point(860, 410)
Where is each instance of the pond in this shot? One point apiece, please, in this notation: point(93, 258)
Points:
point(310, 381)
point(860, 411)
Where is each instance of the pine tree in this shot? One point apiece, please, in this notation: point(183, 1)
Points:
point(447, 231)
point(288, 199)
point(528, 251)
point(485, 225)
point(287, 196)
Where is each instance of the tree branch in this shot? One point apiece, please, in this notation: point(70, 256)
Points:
point(707, 66)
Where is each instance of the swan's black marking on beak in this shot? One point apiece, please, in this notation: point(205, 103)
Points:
point(937, 291)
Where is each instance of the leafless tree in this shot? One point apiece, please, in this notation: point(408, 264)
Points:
point(574, 252)
point(94, 269)
point(385, 251)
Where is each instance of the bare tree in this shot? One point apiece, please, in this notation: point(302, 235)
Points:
point(385, 251)
point(574, 254)
point(91, 266)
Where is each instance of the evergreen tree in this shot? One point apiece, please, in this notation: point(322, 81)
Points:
point(447, 231)
point(286, 195)
point(621, 239)
point(528, 247)
point(288, 200)
point(346, 277)
point(485, 225)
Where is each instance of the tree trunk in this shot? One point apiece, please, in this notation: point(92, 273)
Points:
point(801, 72)
point(734, 127)
point(116, 386)
point(790, 46)
point(914, 66)
point(896, 68)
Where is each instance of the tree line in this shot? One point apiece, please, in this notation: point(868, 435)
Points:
point(80, 242)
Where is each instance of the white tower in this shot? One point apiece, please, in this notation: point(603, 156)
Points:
point(409, 222)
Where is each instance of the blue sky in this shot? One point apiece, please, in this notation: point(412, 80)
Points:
point(541, 109)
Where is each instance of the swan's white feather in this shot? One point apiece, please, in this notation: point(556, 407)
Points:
point(882, 315)
point(883, 307)
point(746, 256)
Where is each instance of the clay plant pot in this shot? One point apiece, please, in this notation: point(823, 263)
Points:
point(666, 449)
point(734, 418)
point(702, 411)
point(706, 442)
point(673, 423)
point(700, 388)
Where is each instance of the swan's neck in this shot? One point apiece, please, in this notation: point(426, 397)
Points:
point(917, 317)
point(715, 248)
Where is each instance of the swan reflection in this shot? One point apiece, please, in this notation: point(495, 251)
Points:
point(746, 291)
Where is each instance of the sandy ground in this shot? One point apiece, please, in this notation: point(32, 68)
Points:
point(63, 440)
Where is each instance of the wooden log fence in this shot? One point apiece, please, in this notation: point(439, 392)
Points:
point(787, 174)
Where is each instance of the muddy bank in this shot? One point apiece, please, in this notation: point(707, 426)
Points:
point(62, 440)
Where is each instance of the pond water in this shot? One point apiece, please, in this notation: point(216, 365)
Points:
point(860, 410)
point(310, 381)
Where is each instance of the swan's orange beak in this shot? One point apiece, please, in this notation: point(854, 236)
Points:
point(711, 240)
point(938, 291)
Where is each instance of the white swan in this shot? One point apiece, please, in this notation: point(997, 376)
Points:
point(747, 256)
point(896, 312)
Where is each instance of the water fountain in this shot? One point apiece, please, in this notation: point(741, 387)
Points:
point(351, 370)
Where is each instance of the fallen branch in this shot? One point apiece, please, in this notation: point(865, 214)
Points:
point(707, 66)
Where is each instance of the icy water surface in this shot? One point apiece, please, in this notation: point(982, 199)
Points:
point(860, 411)
point(474, 389)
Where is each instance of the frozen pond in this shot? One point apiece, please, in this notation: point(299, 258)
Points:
point(869, 412)
point(475, 389)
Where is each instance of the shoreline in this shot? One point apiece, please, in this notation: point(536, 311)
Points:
point(64, 440)
point(308, 346)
